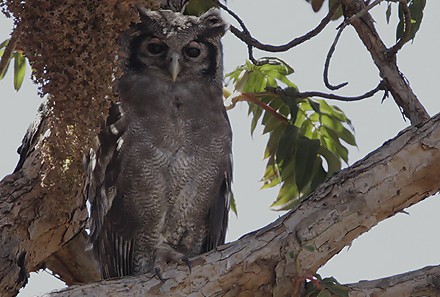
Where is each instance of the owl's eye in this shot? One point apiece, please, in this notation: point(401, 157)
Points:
point(192, 50)
point(156, 47)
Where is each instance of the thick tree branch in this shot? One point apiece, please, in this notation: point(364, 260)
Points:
point(266, 262)
point(36, 218)
point(422, 282)
point(388, 70)
point(74, 263)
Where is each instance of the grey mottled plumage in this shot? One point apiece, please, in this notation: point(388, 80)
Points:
point(160, 175)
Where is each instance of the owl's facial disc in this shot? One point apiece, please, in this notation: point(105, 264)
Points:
point(192, 52)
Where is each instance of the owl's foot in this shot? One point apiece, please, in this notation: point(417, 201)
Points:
point(165, 254)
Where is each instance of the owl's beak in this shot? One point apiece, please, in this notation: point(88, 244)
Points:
point(174, 67)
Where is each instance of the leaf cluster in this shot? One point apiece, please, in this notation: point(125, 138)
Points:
point(19, 65)
point(307, 137)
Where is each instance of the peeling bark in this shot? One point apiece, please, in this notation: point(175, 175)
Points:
point(268, 261)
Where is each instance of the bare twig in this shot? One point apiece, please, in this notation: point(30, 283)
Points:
point(246, 37)
point(9, 50)
point(290, 92)
point(244, 28)
point(327, 63)
point(338, 35)
point(403, 4)
point(333, 47)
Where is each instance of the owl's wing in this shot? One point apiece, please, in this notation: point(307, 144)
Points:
point(219, 210)
point(103, 165)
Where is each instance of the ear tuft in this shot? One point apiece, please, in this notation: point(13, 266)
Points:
point(213, 22)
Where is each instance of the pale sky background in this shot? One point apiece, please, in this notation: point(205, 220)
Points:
point(402, 243)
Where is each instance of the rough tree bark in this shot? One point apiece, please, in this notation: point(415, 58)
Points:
point(42, 212)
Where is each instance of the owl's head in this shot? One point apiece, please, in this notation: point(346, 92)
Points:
point(176, 46)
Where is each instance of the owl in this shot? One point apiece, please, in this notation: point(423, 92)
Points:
point(159, 176)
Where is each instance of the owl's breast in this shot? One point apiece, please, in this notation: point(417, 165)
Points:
point(172, 116)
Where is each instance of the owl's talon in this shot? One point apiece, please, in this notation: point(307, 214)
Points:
point(158, 273)
point(187, 261)
point(165, 254)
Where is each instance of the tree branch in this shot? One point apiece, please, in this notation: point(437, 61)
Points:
point(246, 37)
point(402, 93)
point(266, 262)
point(293, 93)
point(327, 63)
point(250, 98)
point(422, 282)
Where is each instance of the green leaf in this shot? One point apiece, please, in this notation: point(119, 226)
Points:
point(306, 154)
point(271, 124)
point(287, 143)
point(324, 293)
point(257, 114)
point(319, 176)
point(388, 13)
point(333, 162)
point(272, 143)
point(198, 7)
point(317, 4)
point(233, 205)
point(288, 195)
point(4, 43)
point(19, 69)
point(416, 8)
point(2, 75)
point(338, 12)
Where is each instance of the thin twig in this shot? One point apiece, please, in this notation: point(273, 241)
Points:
point(327, 63)
point(333, 46)
point(403, 4)
point(246, 37)
point(9, 50)
point(290, 92)
point(244, 28)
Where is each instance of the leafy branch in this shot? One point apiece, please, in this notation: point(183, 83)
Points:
point(306, 136)
point(8, 52)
